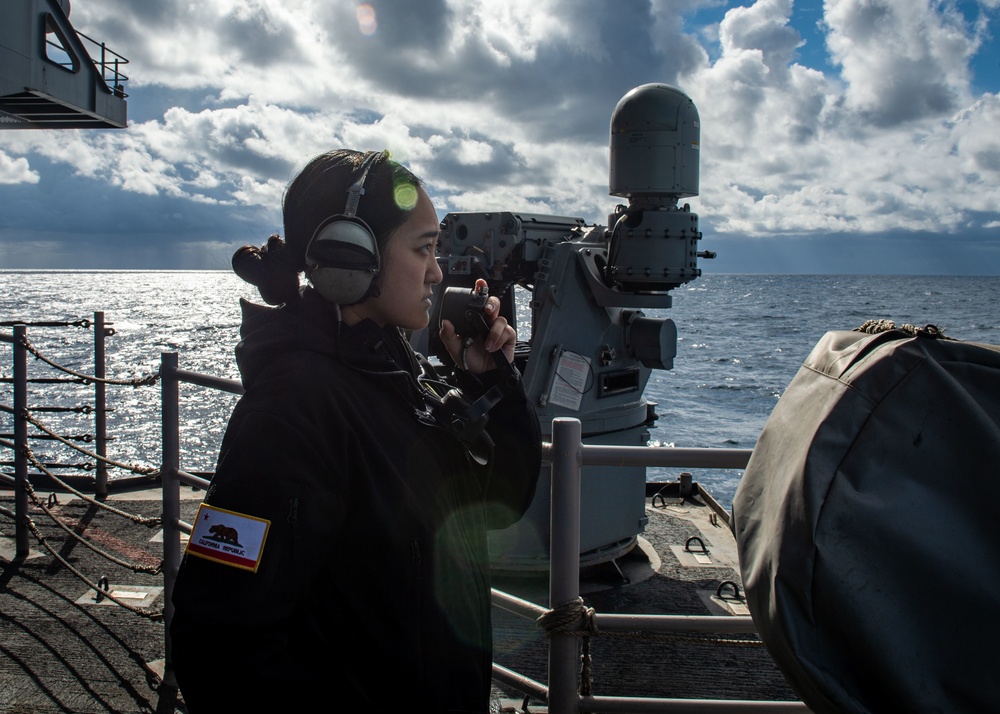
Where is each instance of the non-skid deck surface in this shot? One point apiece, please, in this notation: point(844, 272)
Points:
point(63, 651)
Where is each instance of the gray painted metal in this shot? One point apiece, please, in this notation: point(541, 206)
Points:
point(48, 77)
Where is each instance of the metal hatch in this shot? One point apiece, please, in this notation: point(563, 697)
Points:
point(49, 79)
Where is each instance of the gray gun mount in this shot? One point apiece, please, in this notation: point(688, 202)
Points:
point(575, 293)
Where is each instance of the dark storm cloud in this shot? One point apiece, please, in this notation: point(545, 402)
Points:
point(505, 165)
point(258, 37)
point(70, 204)
point(565, 88)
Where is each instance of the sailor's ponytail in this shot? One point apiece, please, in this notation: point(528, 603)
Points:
point(267, 267)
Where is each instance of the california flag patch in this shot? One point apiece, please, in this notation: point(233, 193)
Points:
point(228, 537)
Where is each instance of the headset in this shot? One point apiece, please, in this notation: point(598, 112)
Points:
point(342, 256)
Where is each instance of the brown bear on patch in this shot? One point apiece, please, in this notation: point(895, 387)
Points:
point(225, 533)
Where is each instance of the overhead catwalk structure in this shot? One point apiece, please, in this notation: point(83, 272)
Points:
point(53, 77)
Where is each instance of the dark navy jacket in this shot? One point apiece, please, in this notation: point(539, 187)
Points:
point(373, 590)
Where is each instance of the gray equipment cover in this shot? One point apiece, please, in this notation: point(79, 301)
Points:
point(866, 525)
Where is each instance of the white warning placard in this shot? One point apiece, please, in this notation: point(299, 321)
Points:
point(570, 382)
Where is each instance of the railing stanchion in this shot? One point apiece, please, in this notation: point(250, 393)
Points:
point(20, 352)
point(171, 464)
point(100, 406)
point(564, 561)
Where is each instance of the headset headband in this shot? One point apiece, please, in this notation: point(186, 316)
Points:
point(357, 188)
point(342, 256)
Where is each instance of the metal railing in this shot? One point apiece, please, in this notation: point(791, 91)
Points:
point(567, 454)
point(172, 477)
point(109, 64)
point(20, 408)
point(20, 399)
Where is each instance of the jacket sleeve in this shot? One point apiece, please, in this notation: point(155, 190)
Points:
point(267, 470)
point(517, 454)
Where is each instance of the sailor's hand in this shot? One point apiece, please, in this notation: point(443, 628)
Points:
point(476, 356)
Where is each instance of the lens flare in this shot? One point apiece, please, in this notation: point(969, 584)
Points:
point(405, 194)
point(365, 15)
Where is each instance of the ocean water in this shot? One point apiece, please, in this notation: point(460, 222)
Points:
point(741, 339)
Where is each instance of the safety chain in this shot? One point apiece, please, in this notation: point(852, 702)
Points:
point(134, 567)
point(680, 637)
point(565, 620)
point(76, 323)
point(148, 380)
point(142, 520)
point(150, 522)
point(877, 326)
point(141, 470)
point(154, 616)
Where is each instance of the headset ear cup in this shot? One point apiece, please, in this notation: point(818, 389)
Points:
point(341, 286)
point(343, 260)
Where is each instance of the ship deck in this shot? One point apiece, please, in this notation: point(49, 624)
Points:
point(66, 649)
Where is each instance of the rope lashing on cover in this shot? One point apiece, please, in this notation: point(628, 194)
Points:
point(875, 326)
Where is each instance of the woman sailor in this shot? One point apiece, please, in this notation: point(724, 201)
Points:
point(339, 561)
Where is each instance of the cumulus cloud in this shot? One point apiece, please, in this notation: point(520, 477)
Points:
point(16, 170)
point(507, 105)
point(894, 142)
point(902, 61)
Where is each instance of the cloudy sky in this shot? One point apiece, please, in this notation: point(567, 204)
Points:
point(845, 136)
